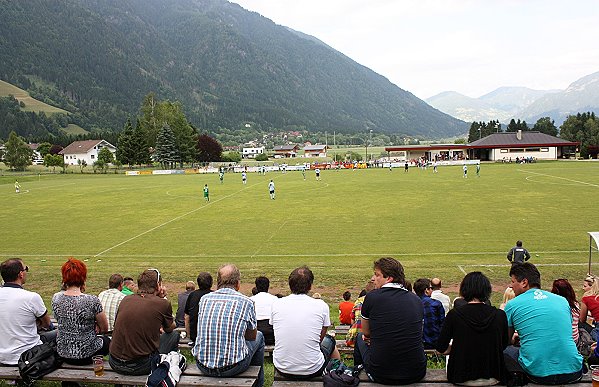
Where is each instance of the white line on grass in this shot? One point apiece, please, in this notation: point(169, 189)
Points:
point(270, 237)
point(559, 177)
point(172, 220)
point(284, 255)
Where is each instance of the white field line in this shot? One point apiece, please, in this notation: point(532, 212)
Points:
point(270, 238)
point(420, 254)
point(172, 220)
point(490, 266)
point(559, 177)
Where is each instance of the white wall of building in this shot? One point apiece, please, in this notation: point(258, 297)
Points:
point(90, 157)
point(251, 153)
point(541, 153)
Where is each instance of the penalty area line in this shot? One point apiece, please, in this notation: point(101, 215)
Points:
point(559, 177)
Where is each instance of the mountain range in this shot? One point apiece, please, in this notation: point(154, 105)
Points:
point(227, 66)
point(522, 103)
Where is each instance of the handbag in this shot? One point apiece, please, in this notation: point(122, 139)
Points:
point(38, 361)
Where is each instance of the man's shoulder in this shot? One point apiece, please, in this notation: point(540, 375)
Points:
point(11, 293)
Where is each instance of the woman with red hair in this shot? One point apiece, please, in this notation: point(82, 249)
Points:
point(562, 287)
point(80, 318)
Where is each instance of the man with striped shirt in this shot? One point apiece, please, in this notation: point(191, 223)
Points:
point(228, 341)
point(111, 298)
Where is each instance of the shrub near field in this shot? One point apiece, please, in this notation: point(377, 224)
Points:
point(436, 224)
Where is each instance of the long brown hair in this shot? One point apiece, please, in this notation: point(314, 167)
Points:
point(563, 288)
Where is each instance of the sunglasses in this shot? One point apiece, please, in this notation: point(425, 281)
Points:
point(26, 268)
point(157, 272)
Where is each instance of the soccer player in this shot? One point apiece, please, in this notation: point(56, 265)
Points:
point(477, 169)
point(221, 176)
point(17, 186)
point(405, 167)
point(435, 166)
point(465, 168)
point(244, 177)
point(304, 172)
point(317, 171)
point(206, 193)
point(271, 189)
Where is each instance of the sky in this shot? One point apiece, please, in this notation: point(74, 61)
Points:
point(469, 46)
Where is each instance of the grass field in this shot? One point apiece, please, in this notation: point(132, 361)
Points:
point(74, 130)
point(31, 104)
point(436, 225)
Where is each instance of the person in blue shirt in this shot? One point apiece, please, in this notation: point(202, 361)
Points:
point(434, 313)
point(547, 352)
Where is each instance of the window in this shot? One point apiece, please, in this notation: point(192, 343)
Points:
point(544, 149)
point(93, 156)
point(503, 150)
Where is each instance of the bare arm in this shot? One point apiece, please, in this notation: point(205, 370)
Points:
point(187, 324)
point(323, 333)
point(102, 322)
point(365, 328)
point(584, 311)
point(44, 321)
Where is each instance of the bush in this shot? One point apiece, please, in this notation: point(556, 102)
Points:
point(232, 157)
point(262, 157)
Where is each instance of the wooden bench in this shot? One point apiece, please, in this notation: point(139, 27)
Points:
point(192, 377)
point(434, 377)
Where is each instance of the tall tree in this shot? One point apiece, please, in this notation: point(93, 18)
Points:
point(44, 148)
point(208, 149)
point(140, 144)
point(18, 154)
point(546, 125)
point(582, 128)
point(125, 152)
point(166, 148)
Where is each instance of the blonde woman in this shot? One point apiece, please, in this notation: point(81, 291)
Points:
point(507, 295)
point(590, 302)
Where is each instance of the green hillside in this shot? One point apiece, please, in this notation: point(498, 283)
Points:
point(226, 65)
point(31, 104)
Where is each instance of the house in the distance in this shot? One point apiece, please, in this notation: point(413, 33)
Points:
point(36, 157)
point(285, 151)
point(315, 151)
point(85, 151)
point(252, 152)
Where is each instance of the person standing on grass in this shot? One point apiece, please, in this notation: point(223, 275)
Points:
point(518, 254)
point(221, 176)
point(465, 169)
point(20, 313)
point(228, 341)
point(479, 333)
point(317, 172)
point(477, 169)
point(17, 186)
point(206, 193)
point(244, 177)
point(271, 189)
point(406, 167)
point(390, 347)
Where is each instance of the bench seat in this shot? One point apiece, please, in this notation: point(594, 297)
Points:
point(192, 377)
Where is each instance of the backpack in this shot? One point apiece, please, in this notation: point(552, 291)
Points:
point(584, 343)
point(337, 374)
point(38, 361)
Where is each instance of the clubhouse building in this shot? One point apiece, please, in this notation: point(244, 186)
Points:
point(503, 146)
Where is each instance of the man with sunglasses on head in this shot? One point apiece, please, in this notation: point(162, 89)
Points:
point(137, 341)
point(21, 312)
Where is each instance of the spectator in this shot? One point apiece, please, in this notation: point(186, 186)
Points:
point(434, 314)
point(263, 303)
point(111, 298)
point(128, 286)
point(181, 301)
point(137, 341)
point(228, 341)
point(438, 295)
point(20, 312)
point(479, 334)
point(78, 314)
point(590, 303)
point(345, 309)
point(562, 287)
point(356, 316)
point(302, 347)
point(518, 254)
point(204, 281)
point(507, 295)
point(547, 353)
point(390, 347)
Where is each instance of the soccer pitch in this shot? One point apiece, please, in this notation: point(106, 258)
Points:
point(437, 225)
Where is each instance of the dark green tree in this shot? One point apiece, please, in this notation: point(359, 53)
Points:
point(106, 156)
point(125, 152)
point(546, 125)
point(166, 148)
point(581, 128)
point(17, 154)
point(44, 148)
point(53, 161)
point(208, 149)
point(140, 144)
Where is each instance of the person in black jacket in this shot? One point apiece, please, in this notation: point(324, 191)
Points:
point(479, 333)
point(518, 254)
